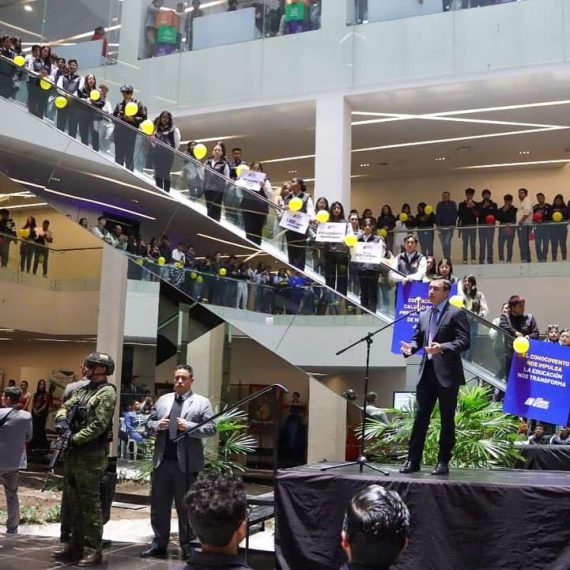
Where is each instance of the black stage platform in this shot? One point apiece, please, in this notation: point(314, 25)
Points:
point(34, 553)
point(471, 519)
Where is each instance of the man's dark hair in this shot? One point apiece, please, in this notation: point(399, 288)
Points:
point(216, 506)
point(13, 394)
point(411, 237)
point(4, 212)
point(515, 300)
point(377, 523)
point(236, 148)
point(371, 397)
point(73, 61)
point(524, 190)
point(508, 197)
point(186, 367)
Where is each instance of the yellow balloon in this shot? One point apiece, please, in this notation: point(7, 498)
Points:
point(382, 232)
point(295, 204)
point(241, 169)
point(95, 95)
point(521, 345)
point(60, 102)
point(139, 261)
point(45, 84)
point(161, 261)
point(200, 151)
point(131, 109)
point(199, 279)
point(147, 127)
point(223, 271)
point(322, 216)
point(24, 233)
point(428, 209)
point(350, 240)
point(179, 265)
point(193, 275)
point(456, 301)
point(557, 216)
point(19, 60)
point(403, 217)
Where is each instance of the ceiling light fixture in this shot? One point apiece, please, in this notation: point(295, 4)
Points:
point(28, 8)
point(509, 164)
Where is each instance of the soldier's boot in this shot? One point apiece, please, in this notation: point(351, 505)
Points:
point(91, 556)
point(68, 552)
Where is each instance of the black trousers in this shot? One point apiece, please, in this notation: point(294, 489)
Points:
point(296, 249)
point(369, 289)
point(253, 224)
point(428, 392)
point(125, 140)
point(168, 483)
point(214, 203)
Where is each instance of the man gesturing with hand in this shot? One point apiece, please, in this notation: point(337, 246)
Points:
point(176, 464)
point(443, 333)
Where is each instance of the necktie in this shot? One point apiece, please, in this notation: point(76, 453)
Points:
point(432, 326)
point(175, 413)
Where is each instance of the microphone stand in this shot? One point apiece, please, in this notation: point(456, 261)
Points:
point(361, 461)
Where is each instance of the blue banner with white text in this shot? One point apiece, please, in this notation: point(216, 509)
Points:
point(539, 383)
point(409, 297)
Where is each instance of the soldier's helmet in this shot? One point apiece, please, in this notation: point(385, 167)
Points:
point(100, 359)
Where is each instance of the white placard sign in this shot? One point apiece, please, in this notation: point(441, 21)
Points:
point(251, 180)
point(331, 232)
point(295, 221)
point(368, 252)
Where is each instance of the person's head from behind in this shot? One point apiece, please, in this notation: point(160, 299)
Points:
point(376, 527)
point(371, 398)
point(217, 511)
point(11, 396)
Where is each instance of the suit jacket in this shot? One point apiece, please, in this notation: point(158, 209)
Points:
point(13, 437)
point(195, 409)
point(453, 335)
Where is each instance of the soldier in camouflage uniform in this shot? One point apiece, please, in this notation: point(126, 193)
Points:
point(86, 459)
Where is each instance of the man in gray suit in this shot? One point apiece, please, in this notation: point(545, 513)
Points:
point(443, 333)
point(176, 465)
point(15, 431)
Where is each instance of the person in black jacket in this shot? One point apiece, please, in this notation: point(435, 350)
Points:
point(517, 323)
point(542, 216)
point(217, 511)
point(387, 221)
point(216, 171)
point(8, 72)
point(443, 333)
point(467, 215)
point(125, 134)
point(425, 224)
point(86, 116)
point(7, 231)
point(487, 219)
point(507, 218)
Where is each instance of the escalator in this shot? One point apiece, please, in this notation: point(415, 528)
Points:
point(312, 322)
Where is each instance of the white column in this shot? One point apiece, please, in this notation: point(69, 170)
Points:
point(327, 424)
point(111, 321)
point(333, 143)
point(206, 356)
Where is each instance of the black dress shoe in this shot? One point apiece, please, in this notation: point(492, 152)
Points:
point(410, 467)
point(441, 469)
point(154, 552)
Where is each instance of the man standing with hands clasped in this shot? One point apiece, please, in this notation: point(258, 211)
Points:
point(443, 333)
point(176, 464)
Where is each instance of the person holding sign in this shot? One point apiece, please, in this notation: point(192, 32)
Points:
point(443, 333)
point(255, 208)
point(296, 246)
point(368, 273)
point(336, 253)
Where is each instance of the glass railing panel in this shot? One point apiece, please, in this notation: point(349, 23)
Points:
point(177, 29)
point(365, 11)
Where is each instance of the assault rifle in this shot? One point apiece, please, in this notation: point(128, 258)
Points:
point(63, 441)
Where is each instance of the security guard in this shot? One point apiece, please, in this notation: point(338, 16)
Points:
point(86, 458)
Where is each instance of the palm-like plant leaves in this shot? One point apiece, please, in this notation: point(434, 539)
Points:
point(485, 436)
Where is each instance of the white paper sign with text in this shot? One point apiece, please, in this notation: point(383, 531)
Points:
point(368, 252)
point(331, 232)
point(295, 221)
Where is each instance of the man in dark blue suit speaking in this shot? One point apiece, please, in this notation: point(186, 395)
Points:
point(443, 333)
